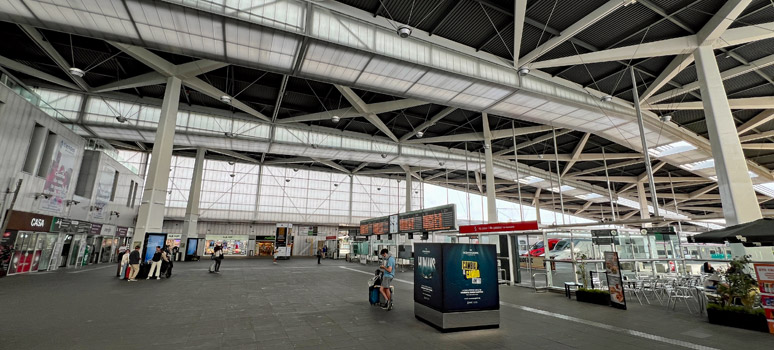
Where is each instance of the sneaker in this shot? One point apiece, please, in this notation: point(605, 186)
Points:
point(275, 263)
point(383, 306)
point(158, 278)
point(389, 305)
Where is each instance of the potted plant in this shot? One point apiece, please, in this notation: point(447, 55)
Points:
point(582, 269)
point(594, 296)
point(740, 288)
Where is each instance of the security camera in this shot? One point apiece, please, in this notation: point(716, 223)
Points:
point(404, 31)
point(287, 180)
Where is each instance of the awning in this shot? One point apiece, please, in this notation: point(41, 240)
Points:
point(759, 231)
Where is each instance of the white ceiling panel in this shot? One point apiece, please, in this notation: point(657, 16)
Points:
point(481, 95)
point(85, 16)
point(334, 63)
point(439, 86)
point(253, 45)
point(389, 75)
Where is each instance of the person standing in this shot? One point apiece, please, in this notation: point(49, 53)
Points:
point(325, 251)
point(134, 262)
point(124, 263)
point(155, 264)
point(319, 255)
point(276, 252)
point(389, 274)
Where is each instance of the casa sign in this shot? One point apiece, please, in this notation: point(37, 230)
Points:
point(23, 221)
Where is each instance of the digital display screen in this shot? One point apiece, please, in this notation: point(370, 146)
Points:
point(376, 226)
point(433, 219)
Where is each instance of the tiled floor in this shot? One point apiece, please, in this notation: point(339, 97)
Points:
point(298, 304)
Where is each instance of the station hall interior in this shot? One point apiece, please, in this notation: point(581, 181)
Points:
point(544, 173)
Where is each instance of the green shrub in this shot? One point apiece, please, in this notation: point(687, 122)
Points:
point(737, 309)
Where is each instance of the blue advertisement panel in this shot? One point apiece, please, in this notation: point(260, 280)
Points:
point(428, 275)
point(192, 246)
point(154, 240)
point(470, 277)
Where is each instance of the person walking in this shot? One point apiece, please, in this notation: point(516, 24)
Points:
point(389, 273)
point(319, 255)
point(134, 262)
point(276, 252)
point(217, 256)
point(325, 251)
point(155, 264)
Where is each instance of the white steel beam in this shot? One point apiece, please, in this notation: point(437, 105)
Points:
point(738, 103)
point(147, 79)
point(744, 35)
point(534, 141)
point(674, 67)
point(478, 136)
point(581, 157)
point(753, 137)
point(609, 166)
point(584, 207)
point(434, 119)
point(49, 49)
point(575, 28)
point(576, 153)
point(280, 95)
point(13, 65)
point(759, 119)
point(332, 164)
point(351, 112)
point(294, 160)
point(211, 91)
point(362, 107)
point(235, 155)
point(519, 13)
point(634, 180)
point(758, 146)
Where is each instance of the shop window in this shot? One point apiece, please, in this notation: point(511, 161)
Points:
point(115, 186)
point(48, 154)
point(37, 143)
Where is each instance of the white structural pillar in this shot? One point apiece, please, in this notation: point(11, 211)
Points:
point(740, 204)
point(491, 198)
point(644, 212)
point(409, 191)
point(191, 220)
point(151, 213)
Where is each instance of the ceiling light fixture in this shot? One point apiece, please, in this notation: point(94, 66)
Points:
point(77, 72)
point(230, 134)
point(232, 175)
point(335, 119)
point(121, 119)
point(420, 134)
point(225, 99)
point(230, 163)
point(523, 71)
point(287, 180)
point(606, 98)
point(384, 155)
point(314, 146)
point(404, 31)
point(440, 163)
point(665, 118)
point(295, 169)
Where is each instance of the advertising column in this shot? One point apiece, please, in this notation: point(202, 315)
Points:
point(614, 280)
point(765, 274)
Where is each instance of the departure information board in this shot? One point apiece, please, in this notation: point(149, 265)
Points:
point(441, 218)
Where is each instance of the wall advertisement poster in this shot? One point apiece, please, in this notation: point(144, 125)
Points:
point(59, 177)
point(103, 191)
point(765, 275)
point(614, 280)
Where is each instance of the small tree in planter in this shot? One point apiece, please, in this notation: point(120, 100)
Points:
point(739, 286)
point(582, 269)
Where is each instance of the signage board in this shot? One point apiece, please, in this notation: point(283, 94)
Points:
point(61, 225)
point(394, 223)
point(83, 227)
point(121, 231)
point(428, 275)
point(94, 229)
point(108, 230)
point(500, 227)
point(765, 275)
point(665, 230)
point(281, 234)
point(175, 236)
point(604, 233)
point(264, 238)
point(440, 218)
point(23, 221)
point(614, 280)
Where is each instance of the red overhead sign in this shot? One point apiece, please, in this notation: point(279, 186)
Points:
point(500, 227)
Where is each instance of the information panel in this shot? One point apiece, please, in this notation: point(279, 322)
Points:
point(376, 226)
point(432, 219)
point(428, 275)
point(614, 281)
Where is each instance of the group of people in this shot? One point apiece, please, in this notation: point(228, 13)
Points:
point(161, 259)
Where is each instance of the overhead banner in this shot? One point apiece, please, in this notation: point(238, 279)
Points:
point(103, 191)
point(500, 227)
point(614, 280)
point(59, 177)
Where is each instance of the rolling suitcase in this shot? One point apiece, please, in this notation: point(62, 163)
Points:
point(373, 295)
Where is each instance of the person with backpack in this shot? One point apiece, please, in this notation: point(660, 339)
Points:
point(217, 257)
point(155, 264)
point(389, 273)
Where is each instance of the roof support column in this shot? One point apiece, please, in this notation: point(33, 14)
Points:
point(740, 204)
point(644, 212)
point(151, 213)
point(491, 199)
point(191, 219)
point(409, 191)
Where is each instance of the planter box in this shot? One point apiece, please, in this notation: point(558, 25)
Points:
point(592, 297)
point(738, 319)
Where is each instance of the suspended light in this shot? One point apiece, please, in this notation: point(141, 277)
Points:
point(225, 99)
point(121, 119)
point(230, 163)
point(335, 119)
point(440, 163)
point(77, 72)
point(229, 135)
point(378, 188)
point(404, 31)
point(606, 98)
point(314, 146)
point(420, 134)
point(384, 155)
point(232, 175)
point(287, 180)
point(665, 118)
point(523, 71)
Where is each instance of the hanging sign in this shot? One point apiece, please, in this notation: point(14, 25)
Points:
point(500, 227)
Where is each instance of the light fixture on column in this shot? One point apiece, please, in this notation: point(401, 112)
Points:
point(540, 156)
point(117, 214)
point(121, 119)
point(606, 98)
point(225, 99)
point(335, 119)
point(404, 31)
point(335, 185)
point(523, 71)
point(420, 134)
point(665, 118)
point(77, 72)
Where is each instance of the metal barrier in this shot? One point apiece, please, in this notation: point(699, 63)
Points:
point(538, 289)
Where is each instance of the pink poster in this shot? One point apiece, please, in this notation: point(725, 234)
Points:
point(59, 177)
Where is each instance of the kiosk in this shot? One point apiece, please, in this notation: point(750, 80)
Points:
point(455, 286)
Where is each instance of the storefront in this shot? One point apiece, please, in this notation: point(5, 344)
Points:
point(23, 244)
point(109, 244)
point(234, 245)
point(264, 246)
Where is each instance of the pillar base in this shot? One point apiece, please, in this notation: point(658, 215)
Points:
point(457, 321)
